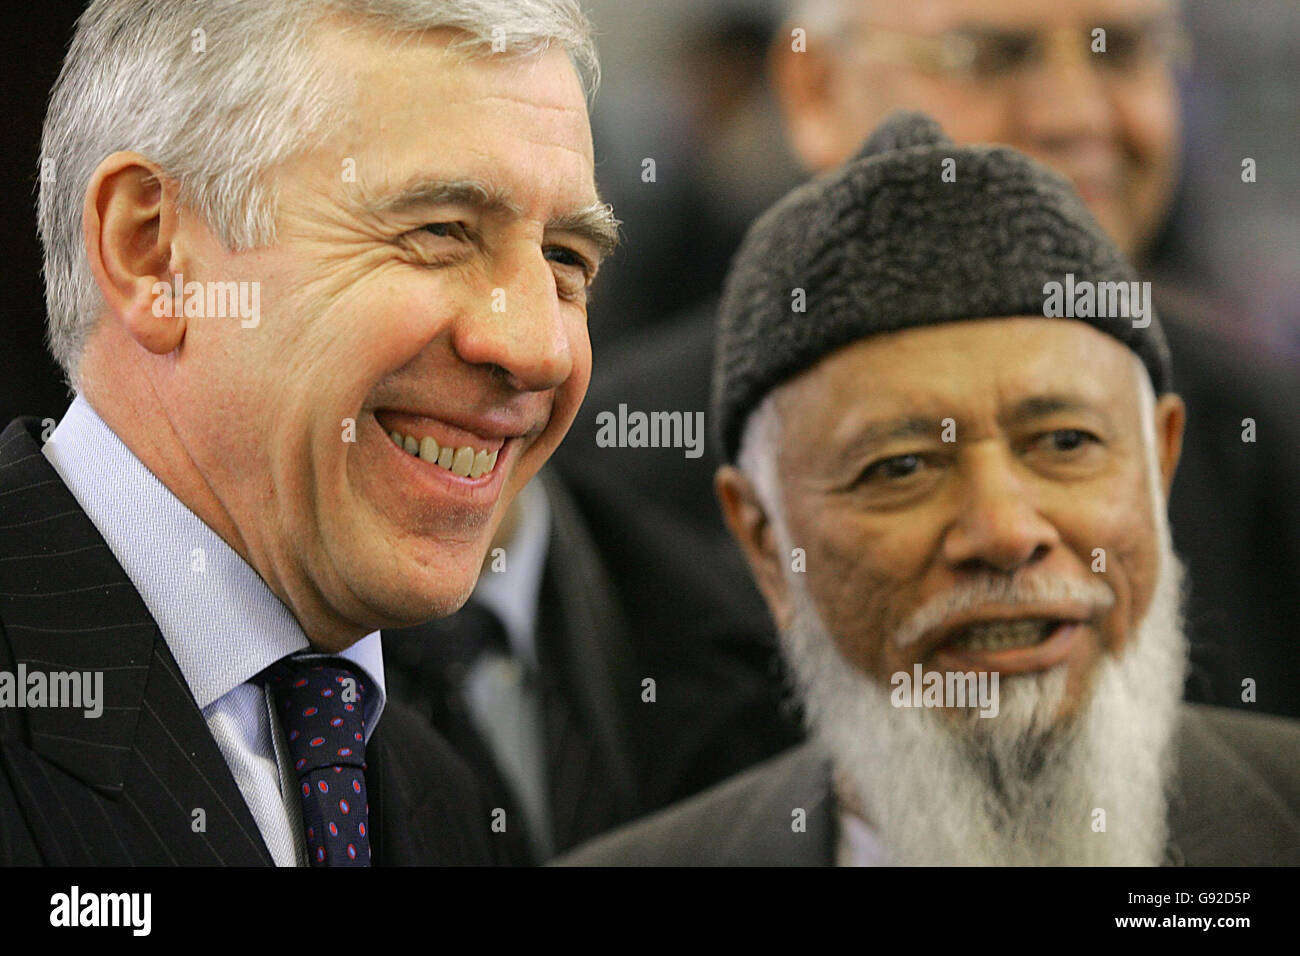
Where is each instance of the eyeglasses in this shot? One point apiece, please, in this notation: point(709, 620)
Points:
point(988, 54)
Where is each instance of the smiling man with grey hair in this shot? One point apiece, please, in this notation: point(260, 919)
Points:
point(317, 272)
point(937, 478)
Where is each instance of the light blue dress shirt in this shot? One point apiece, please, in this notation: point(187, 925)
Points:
point(858, 843)
point(219, 619)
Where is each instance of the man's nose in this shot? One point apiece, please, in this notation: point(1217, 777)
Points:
point(1066, 97)
point(997, 524)
point(519, 325)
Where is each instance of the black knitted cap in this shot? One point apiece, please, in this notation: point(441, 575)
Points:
point(883, 244)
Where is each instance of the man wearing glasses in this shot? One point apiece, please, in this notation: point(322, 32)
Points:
point(1086, 86)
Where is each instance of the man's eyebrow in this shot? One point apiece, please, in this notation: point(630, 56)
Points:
point(894, 429)
point(433, 192)
point(1040, 406)
point(595, 222)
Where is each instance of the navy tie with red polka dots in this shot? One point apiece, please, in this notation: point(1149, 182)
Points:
point(320, 705)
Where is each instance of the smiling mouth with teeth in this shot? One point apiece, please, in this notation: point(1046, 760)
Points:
point(1005, 635)
point(465, 461)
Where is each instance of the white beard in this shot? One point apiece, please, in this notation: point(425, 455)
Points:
point(1011, 789)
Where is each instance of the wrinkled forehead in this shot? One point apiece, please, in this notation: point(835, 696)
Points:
point(979, 369)
point(406, 76)
point(414, 109)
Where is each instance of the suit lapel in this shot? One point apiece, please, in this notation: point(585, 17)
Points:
point(582, 647)
point(67, 605)
point(425, 806)
point(179, 770)
point(1221, 813)
point(765, 832)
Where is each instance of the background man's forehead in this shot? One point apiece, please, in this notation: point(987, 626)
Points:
point(927, 367)
point(1012, 338)
point(941, 14)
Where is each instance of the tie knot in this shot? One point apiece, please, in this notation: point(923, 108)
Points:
point(321, 707)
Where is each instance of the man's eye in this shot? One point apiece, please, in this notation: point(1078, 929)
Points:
point(445, 230)
point(1070, 439)
point(998, 52)
point(1128, 45)
point(568, 257)
point(892, 469)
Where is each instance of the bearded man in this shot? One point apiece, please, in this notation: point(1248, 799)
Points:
point(931, 471)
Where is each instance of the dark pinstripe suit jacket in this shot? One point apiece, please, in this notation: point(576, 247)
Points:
point(121, 789)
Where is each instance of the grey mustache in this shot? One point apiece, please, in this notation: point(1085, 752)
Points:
point(1004, 592)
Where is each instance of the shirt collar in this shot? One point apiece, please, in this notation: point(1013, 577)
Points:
point(221, 622)
point(859, 844)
